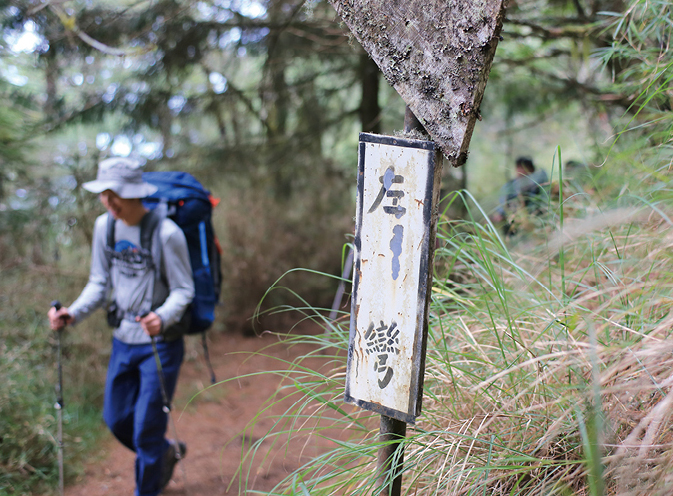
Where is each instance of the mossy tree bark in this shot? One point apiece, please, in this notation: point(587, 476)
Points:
point(437, 54)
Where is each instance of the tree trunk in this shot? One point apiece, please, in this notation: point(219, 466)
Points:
point(51, 77)
point(370, 111)
point(165, 127)
point(275, 95)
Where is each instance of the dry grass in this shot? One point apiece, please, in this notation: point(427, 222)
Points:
point(531, 389)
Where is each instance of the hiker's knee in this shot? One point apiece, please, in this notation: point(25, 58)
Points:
point(120, 428)
point(147, 435)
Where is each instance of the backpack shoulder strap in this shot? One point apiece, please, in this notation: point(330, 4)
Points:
point(148, 230)
point(109, 250)
point(110, 236)
point(147, 227)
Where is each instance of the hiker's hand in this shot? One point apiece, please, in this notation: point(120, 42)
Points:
point(58, 319)
point(151, 323)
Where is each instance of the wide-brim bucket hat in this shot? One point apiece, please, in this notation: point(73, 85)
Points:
point(122, 175)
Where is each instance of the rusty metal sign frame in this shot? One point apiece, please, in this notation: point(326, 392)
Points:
point(429, 215)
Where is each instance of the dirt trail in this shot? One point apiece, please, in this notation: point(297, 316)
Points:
point(212, 424)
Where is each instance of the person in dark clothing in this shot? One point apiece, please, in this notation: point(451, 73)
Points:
point(525, 190)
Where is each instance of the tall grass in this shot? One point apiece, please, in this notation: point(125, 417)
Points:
point(549, 355)
point(549, 359)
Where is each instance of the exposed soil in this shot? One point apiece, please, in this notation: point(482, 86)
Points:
point(213, 424)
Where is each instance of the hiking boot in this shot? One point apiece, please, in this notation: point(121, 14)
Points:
point(171, 457)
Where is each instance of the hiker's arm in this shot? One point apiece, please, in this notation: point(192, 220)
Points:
point(178, 272)
point(95, 292)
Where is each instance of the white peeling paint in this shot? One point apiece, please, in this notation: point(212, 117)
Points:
point(393, 230)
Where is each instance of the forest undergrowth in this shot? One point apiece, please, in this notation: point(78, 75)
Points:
point(549, 360)
point(549, 356)
point(28, 367)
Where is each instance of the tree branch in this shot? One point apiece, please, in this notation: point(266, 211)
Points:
point(574, 28)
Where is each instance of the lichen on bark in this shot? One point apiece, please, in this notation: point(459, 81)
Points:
point(437, 54)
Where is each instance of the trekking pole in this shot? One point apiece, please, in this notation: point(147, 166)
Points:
point(59, 403)
point(167, 406)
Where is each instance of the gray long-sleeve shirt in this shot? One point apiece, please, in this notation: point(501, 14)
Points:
point(129, 275)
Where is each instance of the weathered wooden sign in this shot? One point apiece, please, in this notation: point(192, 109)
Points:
point(398, 190)
point(437, 54)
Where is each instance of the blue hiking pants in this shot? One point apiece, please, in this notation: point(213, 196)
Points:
point(133, 408)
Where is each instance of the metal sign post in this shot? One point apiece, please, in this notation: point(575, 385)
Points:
point(398, 193)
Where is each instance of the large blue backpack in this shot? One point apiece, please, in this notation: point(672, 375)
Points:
point(190, 206)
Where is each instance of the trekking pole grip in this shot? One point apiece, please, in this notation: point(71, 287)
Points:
point(57, 305)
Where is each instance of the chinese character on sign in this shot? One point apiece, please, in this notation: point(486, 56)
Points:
point(387, 180)
point(384, 341)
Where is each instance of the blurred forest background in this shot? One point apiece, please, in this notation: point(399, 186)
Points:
point(263, 101)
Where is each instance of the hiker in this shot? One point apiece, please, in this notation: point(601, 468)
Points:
point(147, 305)
point(524, 190)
